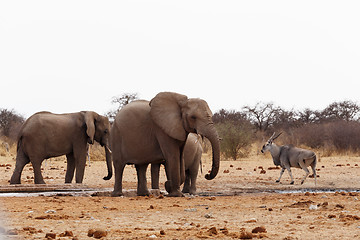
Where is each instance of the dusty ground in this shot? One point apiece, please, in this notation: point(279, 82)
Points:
point(212, 214)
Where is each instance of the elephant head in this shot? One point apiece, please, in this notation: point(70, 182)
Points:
point(98, 129)
point(178, 116)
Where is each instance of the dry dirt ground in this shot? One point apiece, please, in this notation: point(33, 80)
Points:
point(243, 201)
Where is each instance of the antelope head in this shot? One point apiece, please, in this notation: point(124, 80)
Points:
point(267, 146)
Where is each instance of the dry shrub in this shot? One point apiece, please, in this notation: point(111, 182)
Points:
point(97, 152)
point(344, 136)
point(236, 139)
point(311, 135)
point(337, 137)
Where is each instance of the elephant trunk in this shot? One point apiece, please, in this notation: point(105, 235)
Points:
point(213, 137)
point(108, 162)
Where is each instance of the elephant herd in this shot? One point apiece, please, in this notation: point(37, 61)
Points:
point(162, 131)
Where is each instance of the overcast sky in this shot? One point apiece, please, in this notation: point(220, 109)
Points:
point(67, 56)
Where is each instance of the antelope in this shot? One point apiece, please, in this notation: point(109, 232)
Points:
point(288, 156)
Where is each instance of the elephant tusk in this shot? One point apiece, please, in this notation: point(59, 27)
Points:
point(108, 149)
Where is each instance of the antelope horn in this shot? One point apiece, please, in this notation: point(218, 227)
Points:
point(271, 138)
point(277, 136)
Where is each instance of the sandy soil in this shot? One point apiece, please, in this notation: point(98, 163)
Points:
point(242, 199)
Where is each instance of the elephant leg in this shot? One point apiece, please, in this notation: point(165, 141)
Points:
point(80, 162)
point(70, 169)
point(186, 188)
point(173, 169)
point(142, 189)
point(193, 173)
point(36, 163)
point(155, 172)
point(119, 170)
point(21, 161)
point(174, 165)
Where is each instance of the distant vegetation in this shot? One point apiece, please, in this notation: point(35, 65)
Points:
point(336, 129)
point(333, 130)
point(10, 124)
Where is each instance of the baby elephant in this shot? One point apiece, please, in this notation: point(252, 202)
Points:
point(192, 160)
point(45, 135)
point(288, 156)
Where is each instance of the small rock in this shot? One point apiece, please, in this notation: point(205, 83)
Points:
point(162, 232)
point(259, 230)
point(313, 207)
point(332, 216)
point(226, 171)
point(325, 204)
point(208, 215)
point(91, 232)
point(50, 236)
point(50, 211)
point(99, 234)
point(246, 235)
point(340, 206)
point(251, 220)
point(262, 171)
point(67, 234)
point(224, 230)
point(213, 231)
point(190, 209)
point(153, 236)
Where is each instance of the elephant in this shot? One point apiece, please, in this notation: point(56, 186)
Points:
point(45, 135)
point(146, 132)
point(192, 159)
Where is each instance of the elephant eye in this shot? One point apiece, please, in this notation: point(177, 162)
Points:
point(193, 117)
point(106, 131)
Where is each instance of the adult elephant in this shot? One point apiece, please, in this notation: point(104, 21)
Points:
point(149, 132)
point(192, 159)
point(45, 135)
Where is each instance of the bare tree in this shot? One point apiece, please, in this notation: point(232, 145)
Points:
point(10, 122)
point(121, 100)
point(345, 110)
point(309, 116)
point(262, 115)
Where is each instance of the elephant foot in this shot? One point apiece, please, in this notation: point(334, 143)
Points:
point(168, 186)
point(143, 193)
point(185, 190)
point(117, 194)
point(192, 192)
point(40, 182)
point(175, 194)
point(14, 182)
point(292, 183)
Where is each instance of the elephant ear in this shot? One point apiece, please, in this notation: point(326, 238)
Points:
point(90, 118)
point(166, 113)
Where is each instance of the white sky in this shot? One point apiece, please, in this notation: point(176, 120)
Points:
point(67, 56)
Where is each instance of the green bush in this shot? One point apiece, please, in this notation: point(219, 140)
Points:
point(236, 138)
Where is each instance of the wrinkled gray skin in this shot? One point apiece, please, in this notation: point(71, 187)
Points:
point(288, 156)
point(45, 135)
point(149, 132)
point(192, 160)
